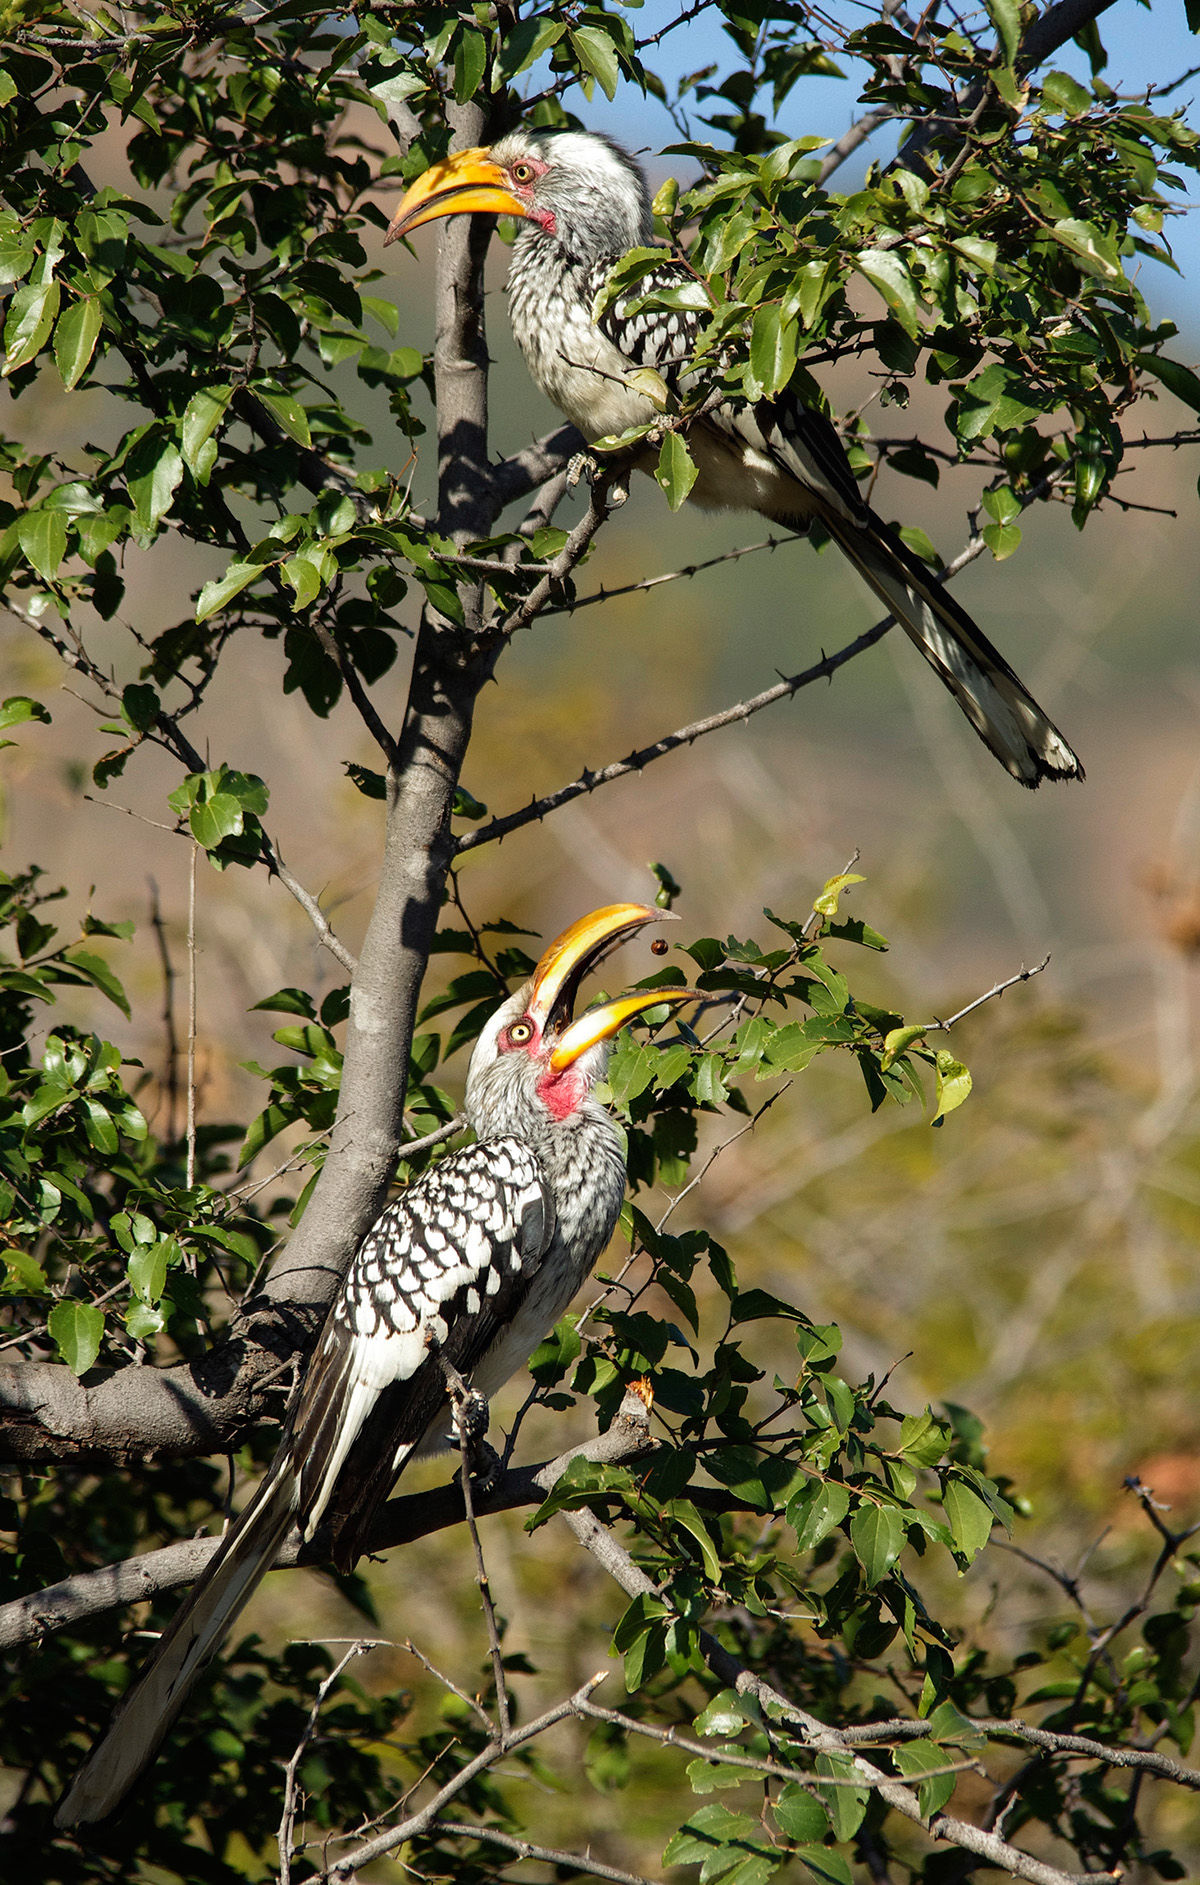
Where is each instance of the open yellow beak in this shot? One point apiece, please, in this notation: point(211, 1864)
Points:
point(460, 184)
point(575, 954)
point(599, 1023)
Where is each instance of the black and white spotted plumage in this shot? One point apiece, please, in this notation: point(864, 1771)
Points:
point(473, 1264)
point(443, 1272)
point(588, 206)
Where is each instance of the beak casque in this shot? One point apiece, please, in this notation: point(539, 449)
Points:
point(467, 181)
point(570, 957)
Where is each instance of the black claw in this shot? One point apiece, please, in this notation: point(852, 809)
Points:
point(485, 1466)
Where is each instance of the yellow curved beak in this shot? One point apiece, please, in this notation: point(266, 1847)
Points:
point(574, 954)
point(468, 181)
point(599, 1023)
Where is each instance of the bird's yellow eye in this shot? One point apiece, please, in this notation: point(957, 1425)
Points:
point(520, 1032)
point(522, 173)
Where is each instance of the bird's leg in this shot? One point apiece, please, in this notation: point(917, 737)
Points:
point(471, 1417)
point(615, 483)
point(582, 465)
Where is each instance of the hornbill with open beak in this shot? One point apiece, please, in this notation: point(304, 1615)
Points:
point(583, 204)
point(471, 1265)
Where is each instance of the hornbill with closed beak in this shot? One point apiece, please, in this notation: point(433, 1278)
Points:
point(471, 1265)
point(583, 204)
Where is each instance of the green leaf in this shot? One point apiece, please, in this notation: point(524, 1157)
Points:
point(676, 472)
point(470, 63)
point(877, 1535)
point(98, 973)
point(913, 1758)
point(829, 1867)
point(1060, 92)
point(953, 1084)
point(800, 1814)
point(1096, 252)
point(969, 1518)
point(25, 1275)
point(976, 250)
point(920, 544)
point(790, 1049)
point(886, 272)
point(287, 413)
point(640, 1637)
point(846, 1804)
point(18, 252)
point(42, 534)
point(683, 1512)
point(17, 709)
point(709, 1829)
point(597, 55)
point(77, 1329)
point(773, 349)
point(525, 43)
point(1001, 539)
point(148, 1269)
point(726, 1715)
point(215, 595)
point(827, 903)
point(153, 489)
point(817, 1510)
point(99, 1127)
point(31, 315)
point(303, 574)
point(1006, 18)
point(202, 415)
point(1177, 378)
point(923, 1438)
point(143, 1320)
point(709, 1776)
point(75, 340)
point(896, 1043)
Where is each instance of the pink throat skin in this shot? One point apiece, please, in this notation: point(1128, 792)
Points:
point(560, 1093)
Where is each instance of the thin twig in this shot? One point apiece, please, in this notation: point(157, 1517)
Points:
point(287, 1823)
point(1023, 975)
point(546, 1855)
point(418, 1823)
point(539, 809)
point(191, 1049)
point(437, 1137)
point(470, 1701)
point(670, 576)
point(463, 1397)
point(168, 1015)
point(308, 903)
point(717, 1150)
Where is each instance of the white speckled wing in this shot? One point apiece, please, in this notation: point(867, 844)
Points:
point(444, 1269)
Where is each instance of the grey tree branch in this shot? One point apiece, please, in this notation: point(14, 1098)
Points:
point(414, 1515)
point(1054, 1743)
point(516, 477)
point(730, 1670)
point(203, 1407)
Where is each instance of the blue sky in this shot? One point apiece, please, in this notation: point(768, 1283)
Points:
point(1147, 45)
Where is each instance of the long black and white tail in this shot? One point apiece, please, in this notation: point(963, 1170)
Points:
point(195, 1633)
point(1004, 714)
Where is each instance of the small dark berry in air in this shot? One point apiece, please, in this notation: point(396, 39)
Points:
point(659, 946)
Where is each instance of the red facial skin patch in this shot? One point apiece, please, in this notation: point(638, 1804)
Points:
point(560, 1093)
